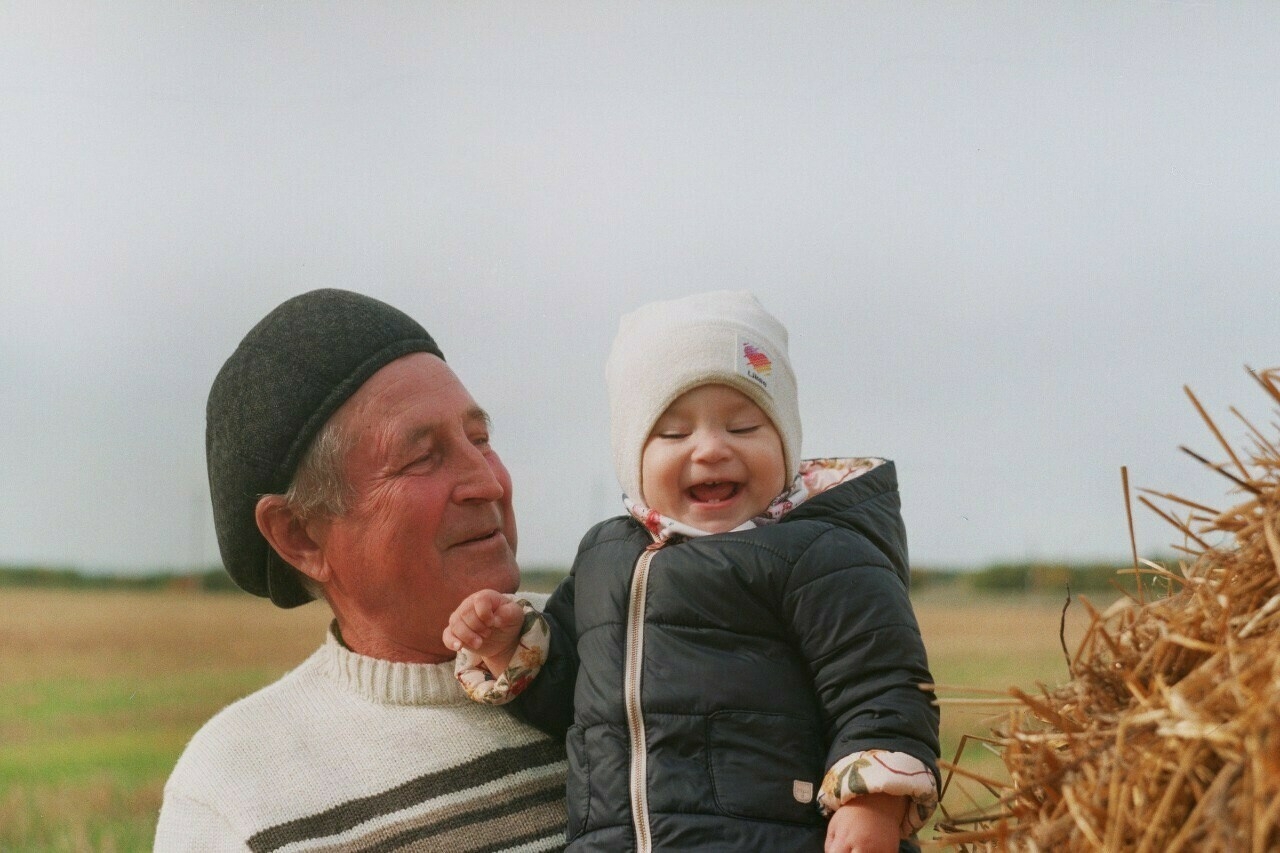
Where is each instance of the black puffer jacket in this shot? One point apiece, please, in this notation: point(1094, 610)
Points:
point(763, 657)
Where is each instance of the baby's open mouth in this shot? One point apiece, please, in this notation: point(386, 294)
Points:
point(713, 492)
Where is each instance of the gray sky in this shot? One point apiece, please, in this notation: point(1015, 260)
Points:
point(1002, 235)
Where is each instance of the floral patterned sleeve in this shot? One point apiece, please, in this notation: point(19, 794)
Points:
point(878, 771)
point(483, 686)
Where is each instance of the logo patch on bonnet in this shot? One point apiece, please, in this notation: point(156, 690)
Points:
point(753, 362)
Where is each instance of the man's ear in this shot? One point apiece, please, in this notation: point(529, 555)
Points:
point(290, 537)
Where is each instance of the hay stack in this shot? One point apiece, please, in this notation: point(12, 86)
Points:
point(1167, 737)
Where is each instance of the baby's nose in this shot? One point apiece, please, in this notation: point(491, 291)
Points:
point(710, 445)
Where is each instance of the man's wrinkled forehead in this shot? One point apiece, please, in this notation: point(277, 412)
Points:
point(413, 380)
point(409, 402)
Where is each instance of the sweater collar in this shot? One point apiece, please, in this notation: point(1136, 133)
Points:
point(388, 682)
point(816, 476)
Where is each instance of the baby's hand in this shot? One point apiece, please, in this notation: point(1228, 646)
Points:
point(488, 622)
point(866, 824)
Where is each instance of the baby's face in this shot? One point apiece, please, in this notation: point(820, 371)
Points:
point(713, 460)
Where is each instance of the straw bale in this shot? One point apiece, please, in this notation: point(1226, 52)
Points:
point(1167, 735)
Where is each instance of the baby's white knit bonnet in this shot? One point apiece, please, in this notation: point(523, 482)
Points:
point(664, 349)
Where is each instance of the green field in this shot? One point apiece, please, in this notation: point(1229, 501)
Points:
point(100, 690)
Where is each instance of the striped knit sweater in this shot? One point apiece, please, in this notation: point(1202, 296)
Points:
point(348, 753)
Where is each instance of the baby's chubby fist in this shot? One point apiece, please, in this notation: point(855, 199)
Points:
point(487, 622)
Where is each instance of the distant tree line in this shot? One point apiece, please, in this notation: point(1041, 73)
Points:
point(212, 580)
point(1008, 578)
point(1043, 577)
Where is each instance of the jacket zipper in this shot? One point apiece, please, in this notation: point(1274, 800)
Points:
point(631, 698)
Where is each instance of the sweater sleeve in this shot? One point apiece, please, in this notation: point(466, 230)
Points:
point(854, 624)
point(187, 825)
point(547, 701)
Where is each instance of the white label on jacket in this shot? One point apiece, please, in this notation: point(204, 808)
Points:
point(802, 791)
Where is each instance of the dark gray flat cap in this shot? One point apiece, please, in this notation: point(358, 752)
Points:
point(285, 379)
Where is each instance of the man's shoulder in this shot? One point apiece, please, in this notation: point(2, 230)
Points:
point(217, 784)
point(248, 731)
point(309, 757)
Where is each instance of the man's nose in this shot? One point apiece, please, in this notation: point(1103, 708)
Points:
point(477, 481)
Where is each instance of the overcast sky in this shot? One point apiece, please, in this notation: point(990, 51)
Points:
point(1002, 235)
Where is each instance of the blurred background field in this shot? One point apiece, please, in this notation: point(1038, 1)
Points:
point(101, 687)
point(99, 692)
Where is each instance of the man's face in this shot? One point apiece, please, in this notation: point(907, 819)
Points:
point(429, 519)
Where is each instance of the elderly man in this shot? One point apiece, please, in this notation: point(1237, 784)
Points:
point(348, 463)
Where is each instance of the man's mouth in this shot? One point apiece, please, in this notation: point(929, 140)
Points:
point(483, 536)
point(714, 492)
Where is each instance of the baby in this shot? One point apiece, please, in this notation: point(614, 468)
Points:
point(736, 661)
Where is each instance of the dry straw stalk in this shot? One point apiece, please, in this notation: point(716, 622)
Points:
point(1167, 736)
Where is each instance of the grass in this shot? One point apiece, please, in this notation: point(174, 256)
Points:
point(101, 689)
point(991, 643)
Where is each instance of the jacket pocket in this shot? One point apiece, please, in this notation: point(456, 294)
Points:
point(765, 766)
point(578, 786)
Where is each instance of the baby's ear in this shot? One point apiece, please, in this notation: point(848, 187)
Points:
point(291, 536)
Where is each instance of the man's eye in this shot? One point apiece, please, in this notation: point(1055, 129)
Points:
point(420, 463)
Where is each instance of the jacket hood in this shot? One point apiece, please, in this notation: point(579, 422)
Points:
point(867, 504)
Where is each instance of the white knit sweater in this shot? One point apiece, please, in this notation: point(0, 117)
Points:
point(349, 752)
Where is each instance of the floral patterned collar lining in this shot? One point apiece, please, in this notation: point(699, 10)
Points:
point(815, 477)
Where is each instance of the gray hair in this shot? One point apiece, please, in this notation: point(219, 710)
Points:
point(319, 486)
